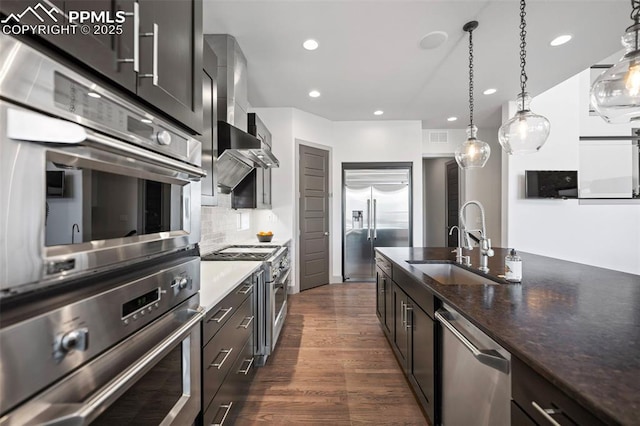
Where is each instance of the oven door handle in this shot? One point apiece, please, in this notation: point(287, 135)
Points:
point(85, 413)
point(28, 126)
point(195, 173)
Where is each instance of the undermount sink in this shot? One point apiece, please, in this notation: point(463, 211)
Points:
point(450, 273)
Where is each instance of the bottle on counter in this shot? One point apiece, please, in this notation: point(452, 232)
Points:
point(513, 267)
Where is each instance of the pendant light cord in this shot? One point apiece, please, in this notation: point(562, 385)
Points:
point(523, 49)
point(471, 77)
point(635, 16)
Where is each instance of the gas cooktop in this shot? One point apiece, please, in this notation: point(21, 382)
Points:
point(259, 253)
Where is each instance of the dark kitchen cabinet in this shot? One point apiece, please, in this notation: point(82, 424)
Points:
point(408, 314)
point(169, 62)
point(228, 333)
point(171, 42)
point(107, 53)
point(209, 135)
point(254, 191)
point(542, 402)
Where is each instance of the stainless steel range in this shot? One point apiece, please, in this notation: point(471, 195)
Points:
point(271, 293)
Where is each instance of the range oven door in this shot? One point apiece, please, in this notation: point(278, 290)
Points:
point(151, 378)
point(278, 305)
point(73, 201)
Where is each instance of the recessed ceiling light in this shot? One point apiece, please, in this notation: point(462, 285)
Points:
point(489, 91)
point(560, 40)
point(378, 112)
point(94, 95)
point(314, 93)
point(310, 44)
point(452, 118)
point(433, 39)
point(146, 120)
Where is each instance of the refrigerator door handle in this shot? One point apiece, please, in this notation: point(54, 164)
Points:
point(375, 220)
point(368, 219)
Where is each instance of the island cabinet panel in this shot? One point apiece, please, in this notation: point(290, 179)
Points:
point(411, 331)
point(416, 290)
point(384, 301)
point(543, 402)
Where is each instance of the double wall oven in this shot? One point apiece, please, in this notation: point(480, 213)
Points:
point(271, 294)
point(99, 263)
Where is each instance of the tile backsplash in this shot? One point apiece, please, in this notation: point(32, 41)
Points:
point(221, 225)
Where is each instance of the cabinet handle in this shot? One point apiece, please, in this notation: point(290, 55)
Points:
point(226, 353)
point(154, 73)
point(546, 413)
point(136, 38)
point(245, 326)
point(218, 319)
point(246, 370)
point(227, 408)
point(407, 309)
point(404, 313)
point(246, 289)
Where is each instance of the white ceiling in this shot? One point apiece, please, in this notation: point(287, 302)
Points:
point(369, 57)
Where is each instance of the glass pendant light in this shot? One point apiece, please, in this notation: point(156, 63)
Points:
point(526, 131)
point(472, 153)
point(615, 95)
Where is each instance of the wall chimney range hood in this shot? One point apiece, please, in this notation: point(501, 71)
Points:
point(239, 151)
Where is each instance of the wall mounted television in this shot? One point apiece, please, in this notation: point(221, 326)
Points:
point(551, 184)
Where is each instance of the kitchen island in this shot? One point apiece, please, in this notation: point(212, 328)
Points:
point(575, 325)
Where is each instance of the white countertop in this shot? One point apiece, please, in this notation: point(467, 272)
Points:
point(218, 278)
point(276, 241)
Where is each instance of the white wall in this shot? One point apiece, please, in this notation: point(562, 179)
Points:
point(604, 234)
point(483, 184)
point(347, 142)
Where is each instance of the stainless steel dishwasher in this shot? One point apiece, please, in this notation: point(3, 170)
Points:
point(476, 374)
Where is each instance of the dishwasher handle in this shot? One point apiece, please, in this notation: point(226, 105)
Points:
point(488, 357)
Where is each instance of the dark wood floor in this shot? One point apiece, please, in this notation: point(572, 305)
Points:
point(332, 366)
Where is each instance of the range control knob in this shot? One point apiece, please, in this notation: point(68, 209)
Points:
point(163, 137)
point(77, 339)
point(180, 283)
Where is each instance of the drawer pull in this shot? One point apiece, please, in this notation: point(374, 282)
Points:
point(218, 319)
point(246, 289)
point(226, 353)
point(249, 321)
point(226, 408)
point(547, 412)
point(246, 370)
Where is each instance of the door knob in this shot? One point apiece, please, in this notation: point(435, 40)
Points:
point(326, 233)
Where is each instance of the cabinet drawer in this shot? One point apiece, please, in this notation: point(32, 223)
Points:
point(230, 397)
point(224, 349)
point(224, 310)
point(383, 264)
point(529, 390)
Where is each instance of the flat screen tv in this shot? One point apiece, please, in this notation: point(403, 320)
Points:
point(551, 184)
point(55, 183)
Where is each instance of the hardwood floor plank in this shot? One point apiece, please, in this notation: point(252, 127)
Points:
point(332, 366)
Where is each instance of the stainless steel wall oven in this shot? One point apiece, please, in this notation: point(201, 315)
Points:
point(130, 182)
point(99, 263)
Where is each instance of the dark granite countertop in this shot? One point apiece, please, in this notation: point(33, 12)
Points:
point(576, 325)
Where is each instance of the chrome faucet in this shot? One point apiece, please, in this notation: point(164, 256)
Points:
point(485, 243)
point(465, 260)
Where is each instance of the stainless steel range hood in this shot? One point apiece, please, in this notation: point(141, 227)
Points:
point(239, 151)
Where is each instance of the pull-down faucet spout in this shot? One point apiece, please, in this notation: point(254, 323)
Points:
point(485, 243)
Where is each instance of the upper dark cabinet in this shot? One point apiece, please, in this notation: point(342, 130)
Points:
point(166, 69)
point(170, 75)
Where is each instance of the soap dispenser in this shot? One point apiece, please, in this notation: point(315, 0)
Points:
point(513, 267)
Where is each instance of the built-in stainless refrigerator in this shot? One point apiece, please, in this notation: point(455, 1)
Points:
point(376, 213)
